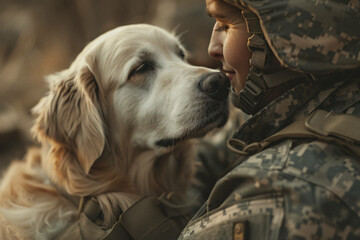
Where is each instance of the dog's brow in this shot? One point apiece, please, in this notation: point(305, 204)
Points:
point(145, 54)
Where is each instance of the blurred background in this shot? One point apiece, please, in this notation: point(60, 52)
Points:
point(39, 37)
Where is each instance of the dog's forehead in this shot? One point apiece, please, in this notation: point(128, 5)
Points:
point(113, 54)
point(142, 36)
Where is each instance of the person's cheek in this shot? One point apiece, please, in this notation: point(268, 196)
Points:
point(241, 55)
point(232, 53)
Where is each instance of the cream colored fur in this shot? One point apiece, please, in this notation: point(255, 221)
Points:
point(99, 126)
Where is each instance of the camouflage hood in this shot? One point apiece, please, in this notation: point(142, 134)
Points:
point(313, 36)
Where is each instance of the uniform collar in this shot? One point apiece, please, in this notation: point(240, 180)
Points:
point(293, 104)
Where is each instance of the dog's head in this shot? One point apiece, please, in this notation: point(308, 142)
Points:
point(131, 85)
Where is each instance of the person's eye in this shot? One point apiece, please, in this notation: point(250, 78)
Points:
point(222, 28)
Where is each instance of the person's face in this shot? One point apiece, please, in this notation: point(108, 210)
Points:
point(228, 42)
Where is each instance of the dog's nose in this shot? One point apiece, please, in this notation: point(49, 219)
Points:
point(215, 85)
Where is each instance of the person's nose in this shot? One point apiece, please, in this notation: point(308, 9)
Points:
point(215, 48)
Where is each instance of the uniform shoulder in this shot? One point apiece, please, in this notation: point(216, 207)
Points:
point(317, 163)
point(327, 166)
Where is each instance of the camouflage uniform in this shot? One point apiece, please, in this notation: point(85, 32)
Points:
point(295, 188)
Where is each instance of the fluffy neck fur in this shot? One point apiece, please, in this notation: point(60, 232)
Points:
point(117, 179)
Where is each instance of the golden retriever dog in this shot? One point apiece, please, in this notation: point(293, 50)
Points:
point(116, 125)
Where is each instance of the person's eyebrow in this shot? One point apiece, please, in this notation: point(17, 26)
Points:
point(214, 15)
point(217, 16)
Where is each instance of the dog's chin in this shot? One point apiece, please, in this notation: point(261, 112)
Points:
point(213, 120)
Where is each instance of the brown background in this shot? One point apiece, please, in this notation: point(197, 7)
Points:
point(39, 37)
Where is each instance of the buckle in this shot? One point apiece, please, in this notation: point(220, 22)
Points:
point(251, 96)
point(254, 147)
point(241, 148)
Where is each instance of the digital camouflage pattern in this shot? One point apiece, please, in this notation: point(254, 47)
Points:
point(296, 188)
point(212, 159)
point(310, 35)
point(293, 189)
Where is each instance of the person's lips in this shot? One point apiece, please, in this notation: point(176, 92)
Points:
point(229, 73)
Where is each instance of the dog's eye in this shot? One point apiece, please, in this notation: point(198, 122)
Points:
point(142, 68)
point(182, 54)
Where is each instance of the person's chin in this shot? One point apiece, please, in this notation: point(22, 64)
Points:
point(236, 85)
point(233, 79)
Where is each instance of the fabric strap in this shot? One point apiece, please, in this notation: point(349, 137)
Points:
point(341, 129)
point(150, 219)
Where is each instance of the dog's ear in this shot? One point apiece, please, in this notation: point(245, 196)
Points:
point(70, 115)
